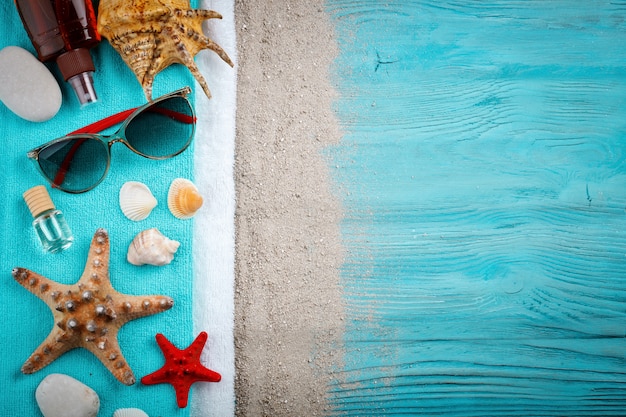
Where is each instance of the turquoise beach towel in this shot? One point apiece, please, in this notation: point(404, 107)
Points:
point(26, 320)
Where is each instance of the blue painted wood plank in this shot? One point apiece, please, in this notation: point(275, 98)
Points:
point(483, 172)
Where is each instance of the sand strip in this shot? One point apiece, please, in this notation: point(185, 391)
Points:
point(288, 305)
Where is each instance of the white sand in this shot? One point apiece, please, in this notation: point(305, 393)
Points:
point(288, 305)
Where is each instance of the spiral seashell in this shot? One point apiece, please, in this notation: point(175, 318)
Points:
point(183, 198)
point(136, 200)
point(151, 35)
point(151, 247)
point(129, 412)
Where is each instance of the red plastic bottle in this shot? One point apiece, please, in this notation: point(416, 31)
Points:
point(64, 30)
point(77, 21)
point(40, 22)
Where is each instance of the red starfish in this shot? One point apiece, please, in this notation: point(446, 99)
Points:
point(182, 368)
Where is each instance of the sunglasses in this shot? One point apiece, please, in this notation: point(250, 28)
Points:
point(79, 161)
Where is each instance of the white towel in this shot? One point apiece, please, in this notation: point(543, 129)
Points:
point(214, 234)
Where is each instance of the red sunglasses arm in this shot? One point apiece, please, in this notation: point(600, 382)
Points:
point(98, 126)
point(112, 120)
point(105, 124)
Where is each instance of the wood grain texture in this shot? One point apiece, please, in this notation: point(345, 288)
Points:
point(484, 177)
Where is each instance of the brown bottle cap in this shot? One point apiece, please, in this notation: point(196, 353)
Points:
point(74, 62)
point(38, 200)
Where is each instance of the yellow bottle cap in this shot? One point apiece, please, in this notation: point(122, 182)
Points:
point(38, 200)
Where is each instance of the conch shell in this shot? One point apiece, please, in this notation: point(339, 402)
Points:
point(150, 247)
point(183, 198)
point(151, 35)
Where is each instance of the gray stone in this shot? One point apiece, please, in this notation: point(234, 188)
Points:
point(27, 87)
point(61, 395)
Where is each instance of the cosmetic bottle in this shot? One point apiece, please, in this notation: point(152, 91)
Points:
point(49, 223)
point(77, 22)
point(64, 31)
point(40, 22)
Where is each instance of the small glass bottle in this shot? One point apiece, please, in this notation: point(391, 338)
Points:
point(49, 223)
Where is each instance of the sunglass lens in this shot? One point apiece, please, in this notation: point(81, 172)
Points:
point(75, 165)
point(162, 130)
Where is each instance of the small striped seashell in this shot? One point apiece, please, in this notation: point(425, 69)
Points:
point(136, 200)
point(183, 198)
point(151, 247)
point(129, 412)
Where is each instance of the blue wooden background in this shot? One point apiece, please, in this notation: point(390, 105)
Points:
point(483, 174)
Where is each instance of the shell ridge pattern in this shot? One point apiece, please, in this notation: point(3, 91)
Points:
point(89, 313)
point(151, 35)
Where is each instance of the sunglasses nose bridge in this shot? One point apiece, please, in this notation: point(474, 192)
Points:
point(118, 138)
point(123, 141)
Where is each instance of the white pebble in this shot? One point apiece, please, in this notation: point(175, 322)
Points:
point(27, 87)
point(61, 395)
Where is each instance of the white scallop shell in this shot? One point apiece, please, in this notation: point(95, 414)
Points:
point(183, 198)
point(136, 200)
point(151, 247)
point(130, 412)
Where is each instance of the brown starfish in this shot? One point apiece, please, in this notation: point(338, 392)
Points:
point(89, 313)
